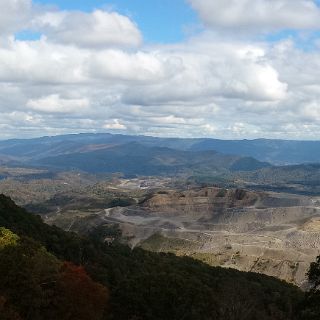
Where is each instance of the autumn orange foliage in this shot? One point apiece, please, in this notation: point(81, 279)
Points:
point(81, 297)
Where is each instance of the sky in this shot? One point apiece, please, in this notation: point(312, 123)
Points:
point(175, 68)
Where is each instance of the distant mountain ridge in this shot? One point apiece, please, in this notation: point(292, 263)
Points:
point(280, 152)
point(277, 152)
point(136, 159)
point(274, 151)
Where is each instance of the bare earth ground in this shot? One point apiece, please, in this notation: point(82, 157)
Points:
point(274, 234)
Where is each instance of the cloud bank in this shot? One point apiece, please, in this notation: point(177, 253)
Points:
point(92, 72)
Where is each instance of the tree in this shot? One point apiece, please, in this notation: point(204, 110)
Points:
point(7, 238)
point(311, 306)
point(25, 268)
point(39, 286)
point(79, 297)
point(314, 274)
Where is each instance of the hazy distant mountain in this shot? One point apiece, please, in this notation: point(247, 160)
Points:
point(302, 178)
point(52, 146)
point(274, 151)
point(278, 152)
point(137, 159)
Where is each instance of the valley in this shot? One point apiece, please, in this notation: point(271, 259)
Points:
point(165, 195)
point(277, 234)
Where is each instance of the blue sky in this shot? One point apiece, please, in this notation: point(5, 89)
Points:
point(171, 23)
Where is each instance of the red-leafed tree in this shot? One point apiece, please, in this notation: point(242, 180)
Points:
point(79, 297)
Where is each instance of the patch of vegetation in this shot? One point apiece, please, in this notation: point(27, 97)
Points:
point(160, 243)
point(121, 202)
point(7, 238)
point(311, 305)
point(162, 192)
point(222, 193)
point(205, 257)
point(208, 180)
point(240, 194)
point(111, 231)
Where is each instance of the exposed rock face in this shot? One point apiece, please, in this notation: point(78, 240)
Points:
point(204, 201)
point(271, 233)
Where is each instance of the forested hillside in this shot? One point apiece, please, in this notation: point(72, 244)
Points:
point(56, 271)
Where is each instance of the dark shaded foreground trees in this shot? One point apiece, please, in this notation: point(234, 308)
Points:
point(34, 284)
point(310, 309)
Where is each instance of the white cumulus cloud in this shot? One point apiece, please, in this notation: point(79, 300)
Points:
point(55, 104)
point(260, 15)
point(14, 15)
point(98, 29)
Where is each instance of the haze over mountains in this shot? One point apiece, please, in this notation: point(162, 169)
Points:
point(279, 152)
point(273, 164)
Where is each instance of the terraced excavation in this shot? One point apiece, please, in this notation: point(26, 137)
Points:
point(270, 233)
